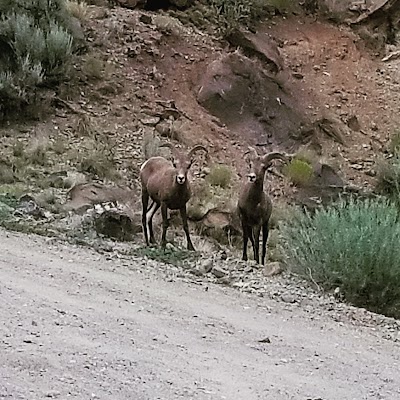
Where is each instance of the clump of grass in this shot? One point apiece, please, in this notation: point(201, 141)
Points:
point(220, 175)
point(168, 24)
point(93, 68)
point(84, 126)
point(18, 149)
point(38, 156)
point(99, 165)
point(6, 172)
point(58, 146)
point(78, 9)
point(394, 144)
point(388, 177)
point(300, 172)
point(167, 256)
point(352, 245)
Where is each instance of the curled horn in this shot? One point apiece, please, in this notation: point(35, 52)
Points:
point(275, 155)
point(251, 152)
point(196, 148)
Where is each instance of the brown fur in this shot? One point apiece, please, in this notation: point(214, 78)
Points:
point(159, 178)
point(254, 206)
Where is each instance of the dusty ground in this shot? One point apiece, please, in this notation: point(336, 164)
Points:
point(77, 324)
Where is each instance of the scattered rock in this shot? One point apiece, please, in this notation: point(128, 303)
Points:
point(298, 75)
point(272, 268)
point(353, 123)
point(206, 266)
point(116, 224)
point(219, 272)
point(265, 340)
point(146, 19)
point(27, 206)
point(259, 45)
point(84, 196)
point(151, 121)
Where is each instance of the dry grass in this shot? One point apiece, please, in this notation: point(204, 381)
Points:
point(220, 175)
point(38, 156)
point(84, 126)
point(78, 9)
point(59, 146)
point(6, 173)
point(94, 68)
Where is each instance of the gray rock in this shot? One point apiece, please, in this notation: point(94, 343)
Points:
point(219, 272)
point(272, 268)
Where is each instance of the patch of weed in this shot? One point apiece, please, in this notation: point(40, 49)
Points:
point(220, 175)
point(58, 146)
point(78, 9)
point(299, 172)
point(388, 177)
point(38, 156)
point(93, 68)
point(352, 245)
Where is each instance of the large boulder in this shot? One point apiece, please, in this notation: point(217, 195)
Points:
point(249, 101)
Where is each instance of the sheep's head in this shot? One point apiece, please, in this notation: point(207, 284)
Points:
point(258, 165)
point(182, 162)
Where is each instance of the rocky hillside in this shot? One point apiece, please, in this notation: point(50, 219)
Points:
point(302, 81)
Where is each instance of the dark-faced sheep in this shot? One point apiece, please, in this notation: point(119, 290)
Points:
point(166, 184)
point(254, 206)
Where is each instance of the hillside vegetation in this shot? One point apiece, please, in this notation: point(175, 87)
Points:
point(88, 90)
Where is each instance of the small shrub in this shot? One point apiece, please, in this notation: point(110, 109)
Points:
point(37, 156)
point(36, 47)
point(99, 165)
point(220, 175)
point(352, 245)
point(18, 149)
point(300, 172)
point(229, 15)
point(6, 173)
point(394, 145)
point(78, 9)
point(388, 177)
point(58, 146)
point(93, 68)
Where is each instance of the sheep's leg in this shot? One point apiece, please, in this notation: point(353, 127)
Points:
point(256, 243)
point(164, 214)
point(246, 231)
point(186, 228)
point(145, 203)
point(149, 220)
point(265, 232)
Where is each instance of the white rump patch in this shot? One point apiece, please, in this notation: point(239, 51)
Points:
point(143, 165)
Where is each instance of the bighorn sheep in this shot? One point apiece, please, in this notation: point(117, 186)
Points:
point(254, 206)
point(167, 185)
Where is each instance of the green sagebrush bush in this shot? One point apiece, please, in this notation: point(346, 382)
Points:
point(35, 46)
point(229, 15)
point(353, 245)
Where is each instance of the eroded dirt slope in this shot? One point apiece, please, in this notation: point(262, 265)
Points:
point(76, 324)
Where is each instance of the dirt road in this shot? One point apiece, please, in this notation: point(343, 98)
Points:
point(76, 325)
